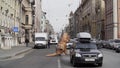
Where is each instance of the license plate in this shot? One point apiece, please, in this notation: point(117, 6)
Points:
point(89, 59)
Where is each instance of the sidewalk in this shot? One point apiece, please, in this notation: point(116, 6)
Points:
point(16, 50)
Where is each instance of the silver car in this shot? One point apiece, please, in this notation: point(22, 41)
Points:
point(114, 43)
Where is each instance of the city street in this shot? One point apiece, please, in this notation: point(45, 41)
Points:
point(28, 24)
point(36, 59)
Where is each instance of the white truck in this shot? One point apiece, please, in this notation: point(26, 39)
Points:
point(41, 40)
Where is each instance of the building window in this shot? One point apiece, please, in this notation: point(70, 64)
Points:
point(11, 15)
point(6, 12)
point(26, 19)
point(1, 9)
point(41, 22)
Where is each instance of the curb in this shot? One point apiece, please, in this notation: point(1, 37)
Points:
point(23, 51)
point(15, 54)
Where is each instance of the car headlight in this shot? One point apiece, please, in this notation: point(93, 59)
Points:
point(100, 55)
point(77, 55)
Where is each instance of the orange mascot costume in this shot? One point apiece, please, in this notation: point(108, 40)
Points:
point(61, 46)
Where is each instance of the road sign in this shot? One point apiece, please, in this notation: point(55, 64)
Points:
point(15, 29)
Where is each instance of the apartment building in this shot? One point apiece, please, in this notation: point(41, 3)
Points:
point(112, 29)
point(9, 22)
point(100, 19)
point(72, 25)
point(27, 19)
point(89, 17)
point(49, 28)
point(38, 14)
point(43, 22)
point(88, 13)
point(16, 22)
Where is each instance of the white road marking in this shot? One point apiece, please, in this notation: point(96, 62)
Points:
point(59, 63)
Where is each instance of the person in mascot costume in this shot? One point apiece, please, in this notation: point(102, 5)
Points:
point(61, 46)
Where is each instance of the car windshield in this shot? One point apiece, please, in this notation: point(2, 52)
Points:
point(40, 39)
point(86, 46)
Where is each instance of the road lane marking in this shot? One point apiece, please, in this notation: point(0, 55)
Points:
point(59, 63)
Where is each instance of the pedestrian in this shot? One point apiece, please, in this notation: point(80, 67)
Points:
point(49, 43)
point(26, 41)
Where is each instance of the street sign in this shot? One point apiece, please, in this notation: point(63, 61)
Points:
point(15, 29)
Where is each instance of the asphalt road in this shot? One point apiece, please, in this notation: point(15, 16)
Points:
point(37, 59)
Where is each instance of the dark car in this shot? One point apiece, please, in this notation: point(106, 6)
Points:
point(118, 49)
point(85, 53)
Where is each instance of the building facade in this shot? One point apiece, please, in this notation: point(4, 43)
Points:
point(16, 20)
point(100, 19)
point(71, 25)
point(27, 19)
point(112, 29)
point(9, 23)
point(43, 22)
point(89, 17)
point(48, 28)
point(38, 14)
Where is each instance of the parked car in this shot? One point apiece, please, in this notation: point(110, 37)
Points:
point(116, 43)
point(69, 44)
point(113, 43)
point(85, 53)
point(118, 49)
point(106, 44)
point(103, 43)
point(99, 43)
point(94, 40)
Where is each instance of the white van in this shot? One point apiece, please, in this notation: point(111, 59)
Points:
point(41, 40)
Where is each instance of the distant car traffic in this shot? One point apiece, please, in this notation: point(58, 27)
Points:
point(53, 41)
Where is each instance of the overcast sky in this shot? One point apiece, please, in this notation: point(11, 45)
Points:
point(58, 11)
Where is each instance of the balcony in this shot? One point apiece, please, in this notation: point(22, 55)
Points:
point(26, 26)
